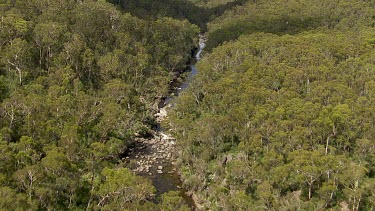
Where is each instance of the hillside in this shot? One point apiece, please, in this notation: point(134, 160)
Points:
point(277, 112)
point(281, 122)
point(289, 17)
point(78, 84)
point(280, 114)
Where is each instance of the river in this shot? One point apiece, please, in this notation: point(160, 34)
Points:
point(154, 158)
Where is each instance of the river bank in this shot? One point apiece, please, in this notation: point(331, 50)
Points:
point(154, 157)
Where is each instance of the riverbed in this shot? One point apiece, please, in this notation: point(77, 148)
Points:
point(154, 158)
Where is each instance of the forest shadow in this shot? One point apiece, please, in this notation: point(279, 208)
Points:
point(178, 9)
point(279, 26)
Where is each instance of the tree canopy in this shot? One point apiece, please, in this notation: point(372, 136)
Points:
point(280, 114)
point(279, 117)
point(78, 80)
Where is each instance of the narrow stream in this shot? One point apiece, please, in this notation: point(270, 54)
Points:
point(153, 158)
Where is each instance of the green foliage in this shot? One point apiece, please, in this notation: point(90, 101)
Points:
point(289, 17)
point(279, 117)
point(120, 188)
point(210, 3)
point(195, 11)
point(77, 81)
point(283, 121)
point(172, 201)
point(10, 200)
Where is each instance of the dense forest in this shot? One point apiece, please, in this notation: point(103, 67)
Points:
point(78, 82)
point(280, 116)
point(281, 113)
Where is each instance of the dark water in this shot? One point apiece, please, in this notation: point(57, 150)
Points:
point(169, 180)
point(178, 86)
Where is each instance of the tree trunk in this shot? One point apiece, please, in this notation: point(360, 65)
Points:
point(327, 143)
point(18, 71)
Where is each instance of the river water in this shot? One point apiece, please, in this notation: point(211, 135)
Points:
point(153, 158)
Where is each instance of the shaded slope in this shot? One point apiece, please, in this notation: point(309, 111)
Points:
point(178, 9)
point(289, 17)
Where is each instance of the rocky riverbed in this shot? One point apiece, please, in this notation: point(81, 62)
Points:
point(154, 158)
point(153, 155)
